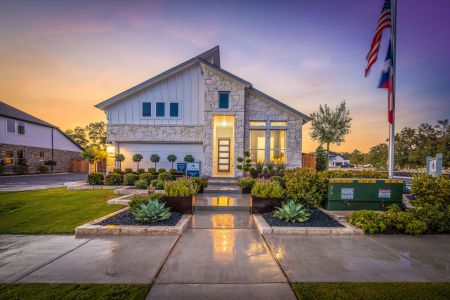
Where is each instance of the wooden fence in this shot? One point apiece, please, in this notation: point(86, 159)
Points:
point(309, 161)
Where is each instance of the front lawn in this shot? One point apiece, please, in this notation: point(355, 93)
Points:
point(52, 210)
point(372, 290)
point(73, 291)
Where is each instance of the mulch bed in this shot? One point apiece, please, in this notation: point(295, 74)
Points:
point(126, 218)
point(317, 219)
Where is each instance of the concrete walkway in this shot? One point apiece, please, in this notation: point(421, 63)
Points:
point(38, 181)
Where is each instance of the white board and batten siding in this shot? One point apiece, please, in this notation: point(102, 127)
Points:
point(184, 87)
point(163, 150)
point(36, 136)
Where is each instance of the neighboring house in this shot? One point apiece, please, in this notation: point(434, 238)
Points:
point(337, 161)
point(23, 136)
point(198, 108)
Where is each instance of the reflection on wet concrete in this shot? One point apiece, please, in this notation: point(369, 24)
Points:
point(223, 246)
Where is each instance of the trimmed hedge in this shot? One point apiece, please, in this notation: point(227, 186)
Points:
point(95, 178)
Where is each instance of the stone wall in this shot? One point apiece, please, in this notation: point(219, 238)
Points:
point(214, 83)
point(259, 109)
point(155, 133)
point(32, 155)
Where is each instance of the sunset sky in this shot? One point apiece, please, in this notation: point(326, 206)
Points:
point(60, 58)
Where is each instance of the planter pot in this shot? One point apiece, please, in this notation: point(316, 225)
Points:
point(183, 205)
point(260, 205)
point(246, 190)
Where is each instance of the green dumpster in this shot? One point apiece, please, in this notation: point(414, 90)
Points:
point(357, 194)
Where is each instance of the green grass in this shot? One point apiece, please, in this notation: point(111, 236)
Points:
point(372, 290)
point(52, 210)
point(67, 291)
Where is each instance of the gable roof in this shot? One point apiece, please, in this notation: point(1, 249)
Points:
point(226, 73)
point(9, 111)
point(211, 53)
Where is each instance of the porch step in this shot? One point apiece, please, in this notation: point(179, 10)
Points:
point(222, 182)
point(225, 189)
point(222, 208)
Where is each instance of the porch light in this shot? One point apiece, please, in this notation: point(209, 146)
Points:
point(110, 150)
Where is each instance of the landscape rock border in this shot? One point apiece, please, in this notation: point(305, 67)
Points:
point(264, 228)
point(90, 229)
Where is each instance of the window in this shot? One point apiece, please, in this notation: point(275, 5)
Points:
point(146, 109)
point(278, 123)
point(258, 123)
point(174, 109)
point(41, 155)
point(223, 99)
point(9, 157)
point(20, 127)
point(160, 109)
point(277, 145)
point(11, 126)
point(257, 145)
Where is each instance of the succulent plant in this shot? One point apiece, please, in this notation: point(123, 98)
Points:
point(292, 211)
point(151, 212)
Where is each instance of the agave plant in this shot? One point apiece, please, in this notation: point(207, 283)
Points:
point(153, 211)
point(292, 212)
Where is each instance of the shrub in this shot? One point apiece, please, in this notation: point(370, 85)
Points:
point(136, 200)
point(173, 171)
point(157, 184)
point(128, 170)
point(161, 170)
point(50, 163)
point(182, 187)
point(151, 212)
point(43, 169)
point(246, 183)
point(21, 167)
point(253, 172)
point(146, 176)
point(200, 183)
point(165, 176)
point(141, 184)
point(415, 227)
point(189, 158)
point(436, 217)
point(2, 167)
point(369, 221)
point(277, 178)
point(267, 189)
point(431, 190)
point(116, 170)
point(140, 171)
point(292, 212)
point(152, 171)
point(265, 170)
point(113, 179)
point(130, 178)
point(305, 186)
point(95, 178)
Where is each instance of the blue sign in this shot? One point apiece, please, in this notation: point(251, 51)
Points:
point(193, 173)
point(193, 169)
point(181, 167)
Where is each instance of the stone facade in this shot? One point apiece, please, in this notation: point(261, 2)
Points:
point(215, 82)
point(259, 109)
point(155, 133)
point(32, 155)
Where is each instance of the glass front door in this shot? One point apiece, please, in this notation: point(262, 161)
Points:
point(223, 162)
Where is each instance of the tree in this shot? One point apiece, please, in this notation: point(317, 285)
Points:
point(357, 157)
point(154, 159)
point(93, 155)
point(137, 158)
point(189, 158)
point(321, 159)
point(120, 158)
point(78, 134)
point(378, 156)
point(96, 132)
point(330, 126)
point(172, 158)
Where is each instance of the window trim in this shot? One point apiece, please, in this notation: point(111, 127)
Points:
point(265, 142)
point(228, 100)
point(16, 127)
point(142, 109)
point(13, 159)
point(156, 109)
point(170, 110)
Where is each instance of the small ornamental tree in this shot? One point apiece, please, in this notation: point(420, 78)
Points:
point(93, 155)
point(137, 158)
point(155, 159)
point(189, 158)
point(172, 158)
point(119, 159)
point(245, 162)
point(321, 159)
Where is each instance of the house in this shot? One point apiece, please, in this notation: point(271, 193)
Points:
point(23, 136)
point(337, 161)
point(199, 108)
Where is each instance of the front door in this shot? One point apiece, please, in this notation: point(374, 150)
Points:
point(223, 158)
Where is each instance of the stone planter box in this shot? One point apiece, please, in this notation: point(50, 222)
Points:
point(91, 229)
point(183, 205)
point(260, 205)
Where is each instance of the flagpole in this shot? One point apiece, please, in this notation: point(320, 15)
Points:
point(394, 67)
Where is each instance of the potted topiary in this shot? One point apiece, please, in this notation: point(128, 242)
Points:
point(179, 195)
point(265, 196)
point(119, 159)
point(137, 158)
point(154, 158)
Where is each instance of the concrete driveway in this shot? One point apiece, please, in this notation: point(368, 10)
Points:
point(38, 181)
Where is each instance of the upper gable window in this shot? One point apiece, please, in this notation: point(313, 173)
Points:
point(11, 126)
point(146, 109)
point(160, 109)
point(174, 109)
point(224, 99)
point(20, 127)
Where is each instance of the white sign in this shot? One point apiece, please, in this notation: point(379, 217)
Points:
point(195, 166)
point(384, 193)
point(347, 193)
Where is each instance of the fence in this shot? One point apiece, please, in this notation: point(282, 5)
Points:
point(309, 161)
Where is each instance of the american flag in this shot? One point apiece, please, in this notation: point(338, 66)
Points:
point(384, 22)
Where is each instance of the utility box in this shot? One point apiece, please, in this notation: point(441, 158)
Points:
point(358, 194)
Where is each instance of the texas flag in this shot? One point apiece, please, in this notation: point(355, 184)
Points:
point(387, 77)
